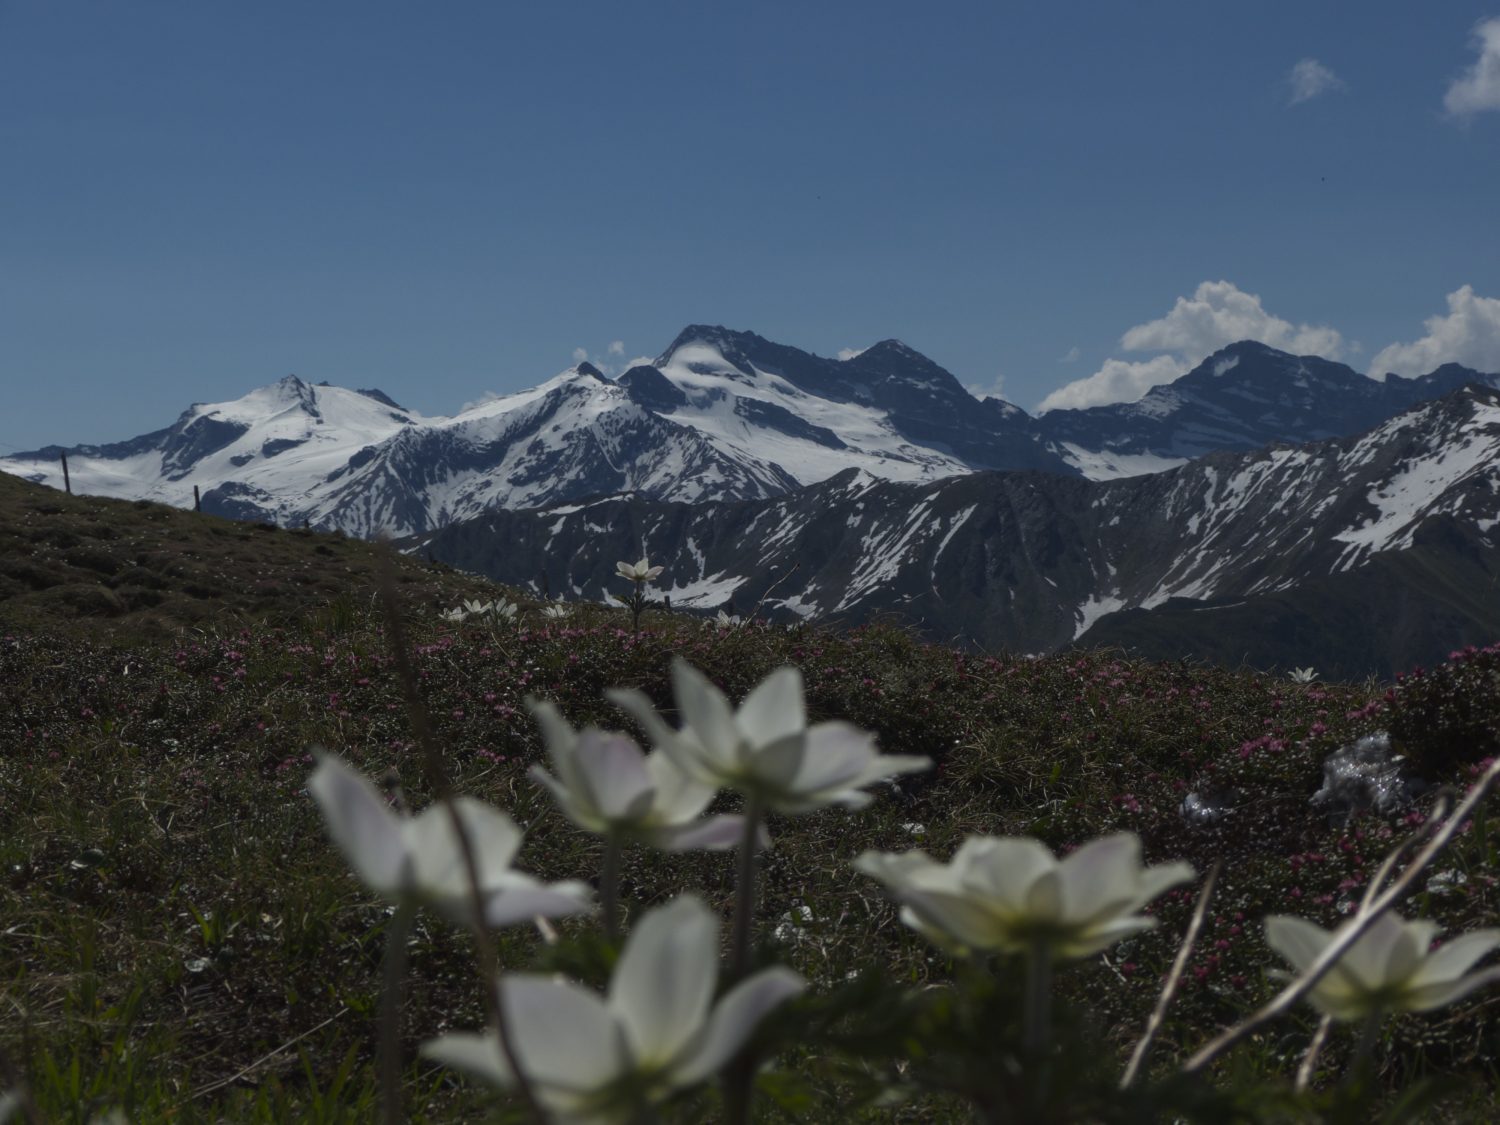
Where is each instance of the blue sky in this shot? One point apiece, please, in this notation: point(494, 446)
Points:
point(444, 200)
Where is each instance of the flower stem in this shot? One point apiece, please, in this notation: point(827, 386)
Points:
point(609, 886)
point(393, 976)
point(1364, 1047)
point(1037, 1023)
point(739, 1074)
point(744, 899)
point(1038, 1010)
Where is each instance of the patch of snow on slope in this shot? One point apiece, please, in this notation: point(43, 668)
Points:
point(1105, 464)
point(1093, 609)
point(1411, 491)
point(714, 386)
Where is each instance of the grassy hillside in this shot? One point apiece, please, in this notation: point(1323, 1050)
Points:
point(180, 941)
point(144, 571)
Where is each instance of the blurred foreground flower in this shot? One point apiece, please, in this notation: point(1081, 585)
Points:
point(656, 1031)
point(1390, 967)
point(1013, 895)
point(605, 784)
point(765, 749)
point(420, 860)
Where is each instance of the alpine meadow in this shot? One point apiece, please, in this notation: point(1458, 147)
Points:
point(793, 564)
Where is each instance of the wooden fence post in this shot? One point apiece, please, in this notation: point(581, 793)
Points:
point(67, 481)
point(197, 501)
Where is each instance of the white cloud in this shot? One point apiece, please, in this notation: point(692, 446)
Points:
point(1478, 88)
point(1308, 79)
point(580, 355)
point(995, 389)
point(641, 361)
point(1469, 334)
point(1118, 380)
point(1070, 356)
point(617, 347)
point(850, 353)
point(1219, 313)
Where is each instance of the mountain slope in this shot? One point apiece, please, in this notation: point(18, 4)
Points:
point(889, 401)
point(1032, 561)
point(1242, 397)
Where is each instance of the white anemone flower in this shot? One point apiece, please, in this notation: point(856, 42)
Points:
point(765, 749)
point(605, 784)
point(642, 571)
point(419, 860)
point(477, 608)
point(657, 1030)
point(555, 611)
point(1390, 967)
point(1013, 895)
point(455, 615)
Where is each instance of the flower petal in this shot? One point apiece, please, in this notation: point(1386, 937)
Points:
point(774, 709)
point(733, 1020)
point(772, 768)
point(559, 736)
point(835, 756)
point(705, 712)
point(685, 751)
point(563, 1035)
point(1003, 869)
point(613, 769)
point(360, 823)
point(584, 816)
point(523, 899)
point(478, 1056)
point(1296, 939)
point(664, 982)
point(1096, 939)
point(439, 866)
point(1370, 958)
point(717, 833)
point(1407, 955)
point(959, 916)
point(679, 798)
point(1455, 958)
point(1099, 878)
point(1154, 880)
point(1438, 994)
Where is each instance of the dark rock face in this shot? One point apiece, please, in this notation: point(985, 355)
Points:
point(652, 390)
point(1202, 559)
point(199, 438)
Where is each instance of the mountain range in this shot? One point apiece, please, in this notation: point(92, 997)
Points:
point(1039, 561)
point(1259, 486)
